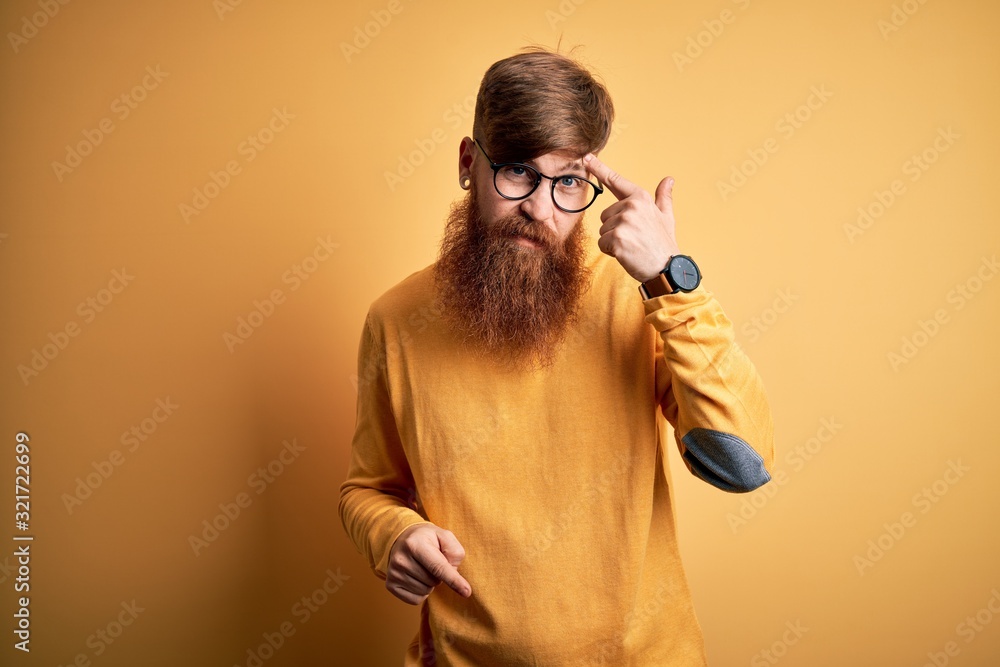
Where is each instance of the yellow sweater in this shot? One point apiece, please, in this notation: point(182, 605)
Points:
point(555, 482)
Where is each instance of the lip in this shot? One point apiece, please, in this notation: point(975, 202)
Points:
point(524, 240)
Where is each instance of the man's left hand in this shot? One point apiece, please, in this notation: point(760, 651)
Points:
point(638, 229)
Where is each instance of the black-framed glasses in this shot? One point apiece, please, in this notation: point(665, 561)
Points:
point(516, 180)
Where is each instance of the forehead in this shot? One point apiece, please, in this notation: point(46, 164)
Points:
point(560, 161)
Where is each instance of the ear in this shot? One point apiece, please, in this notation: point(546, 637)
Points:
point(466, 153)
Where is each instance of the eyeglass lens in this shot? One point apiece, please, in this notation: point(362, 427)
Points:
point(570, 192)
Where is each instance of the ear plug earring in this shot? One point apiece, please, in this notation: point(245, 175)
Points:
point(465, 182)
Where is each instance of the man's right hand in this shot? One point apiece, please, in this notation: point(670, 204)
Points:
point(422, 557)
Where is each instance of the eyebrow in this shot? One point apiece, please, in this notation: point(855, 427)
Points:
point(567, 167)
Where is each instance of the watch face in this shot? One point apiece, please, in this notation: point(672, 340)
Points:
point(684, 273)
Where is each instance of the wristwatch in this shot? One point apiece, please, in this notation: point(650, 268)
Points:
point(680, 275)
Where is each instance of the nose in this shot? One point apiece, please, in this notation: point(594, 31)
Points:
point(539, 206)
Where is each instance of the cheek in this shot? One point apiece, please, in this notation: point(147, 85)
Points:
point(492, 206)
point(566, 227)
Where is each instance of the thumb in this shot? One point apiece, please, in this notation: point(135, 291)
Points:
point(451, 547)
point(454, 553)
point(665, 195)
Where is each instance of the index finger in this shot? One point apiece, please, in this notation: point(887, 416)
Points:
point(620, 186)
point(438, 566)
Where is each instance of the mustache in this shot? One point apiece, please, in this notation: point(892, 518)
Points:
point(516, 224)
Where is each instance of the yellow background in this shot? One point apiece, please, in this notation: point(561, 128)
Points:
point(403, 97)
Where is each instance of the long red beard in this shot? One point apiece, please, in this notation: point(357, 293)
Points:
point(512, 303)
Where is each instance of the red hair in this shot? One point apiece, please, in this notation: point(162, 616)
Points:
point(539, 101)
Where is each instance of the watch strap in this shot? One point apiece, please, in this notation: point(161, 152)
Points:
point(656, 286)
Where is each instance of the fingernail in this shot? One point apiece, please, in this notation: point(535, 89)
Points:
point(588, 157)
point(670, 182)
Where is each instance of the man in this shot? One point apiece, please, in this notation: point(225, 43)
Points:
point(513, 399)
